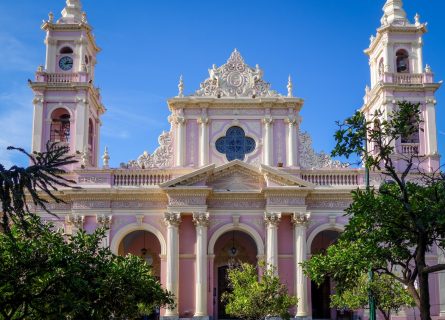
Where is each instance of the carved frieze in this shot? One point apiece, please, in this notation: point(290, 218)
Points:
point(138, 204)
point(236, 204)
point(338, 204)
point(285, 201)
point(83, 205)
point(180, 201)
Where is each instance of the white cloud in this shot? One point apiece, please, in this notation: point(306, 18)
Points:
point(15, 55)
point(15, 126)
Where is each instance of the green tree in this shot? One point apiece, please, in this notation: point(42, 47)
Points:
point(46, 275)
point(252, 298)
point(390, 295)
point(391, 228)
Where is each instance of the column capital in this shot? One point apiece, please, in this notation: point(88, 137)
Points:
point(201, 219)
point(172, 218)
point(104, 220)
point(76, 220)
point(301, 218)
point(291, 121)
point(268, 120)
point(179, 120)
point(272, 218)
point(203, 120)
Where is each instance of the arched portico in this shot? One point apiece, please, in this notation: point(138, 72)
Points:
point(328, 226)
point(239, 227)
point(120, 235)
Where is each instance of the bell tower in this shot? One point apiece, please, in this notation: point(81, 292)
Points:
point(398, 74)
point(67, 105)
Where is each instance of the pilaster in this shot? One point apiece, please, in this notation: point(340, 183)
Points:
point(272, 219)
point(300, 221)
point(292, 141)
point(172, 221)
point(203, 122)
point(37, 128)
point(268, 141)
point(201, 221)
point(104, 221)
point(180, 140)
point(430, 127)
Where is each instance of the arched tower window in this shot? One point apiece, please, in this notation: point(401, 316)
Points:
point(402, 61)
point(60, 126)
point(66, 50)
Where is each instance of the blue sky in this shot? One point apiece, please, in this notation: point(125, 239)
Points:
point(148, 44)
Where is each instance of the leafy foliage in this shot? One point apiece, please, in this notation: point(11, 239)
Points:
point(389, 294)
point(252, 298)
point(46, 275)
point(393, 228)
point(19, 185)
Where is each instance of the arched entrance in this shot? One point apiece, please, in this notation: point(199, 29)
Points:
point(320, 295)
point(143, 244)
point(233, 247)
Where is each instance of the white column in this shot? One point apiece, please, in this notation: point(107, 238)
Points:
point(268, 141)
point(172, 220)
point(441, 259)
point(291, 142)
point(201, 221)
point(104, 221)
point(37, 126)
point(430, 126)
point(272, 220)
point(300, 221)
point(387, 57)
point(180, 141)
point(203, 141)
point(419, 53)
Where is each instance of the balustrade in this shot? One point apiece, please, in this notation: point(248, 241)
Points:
point(61, 77)
point(408, 78)
point(128, 178)
point(332, 179)
point(410, 148)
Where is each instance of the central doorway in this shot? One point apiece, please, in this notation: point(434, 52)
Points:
point(231, 248)
point(321, 295)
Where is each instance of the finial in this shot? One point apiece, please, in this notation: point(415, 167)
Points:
point(40, 69)
point(50, 17)
point(106, 159)
point(289, 87)
point(367, 89)
point(417, 19)
point(371, 38)
point(181, 87)
point(72, 13)
point(84, 17)
point(428, 69)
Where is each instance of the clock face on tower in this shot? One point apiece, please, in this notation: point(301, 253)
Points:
point(66, 63)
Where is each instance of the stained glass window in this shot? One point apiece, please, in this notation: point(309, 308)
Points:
point(235, 145)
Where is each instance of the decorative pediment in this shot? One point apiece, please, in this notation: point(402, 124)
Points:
point(235, 79)
point(237, 176)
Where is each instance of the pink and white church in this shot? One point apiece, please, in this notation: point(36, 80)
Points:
point(235, 179)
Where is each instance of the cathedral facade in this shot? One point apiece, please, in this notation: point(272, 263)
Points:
point(235, 179)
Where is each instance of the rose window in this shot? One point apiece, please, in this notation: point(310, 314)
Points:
point(235, 145)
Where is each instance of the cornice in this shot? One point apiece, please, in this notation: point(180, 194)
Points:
point(232, 103)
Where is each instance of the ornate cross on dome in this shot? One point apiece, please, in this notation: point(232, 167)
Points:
point(235, 145)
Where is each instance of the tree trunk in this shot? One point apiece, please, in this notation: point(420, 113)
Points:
point(424, 287)
point(424, 290)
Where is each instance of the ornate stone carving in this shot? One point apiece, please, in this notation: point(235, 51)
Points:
point(172, 218)
point(272, 218)
point(162, 157)
point(104, 220)
point(300, 218)
point(137, 204)
point(75, 220)
point(91, 204)
point(235, 78)
point(201, 219)
point(239, 204)
point(329, 204)
point(285, 201)
point(309, 159)
point(179, 201)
